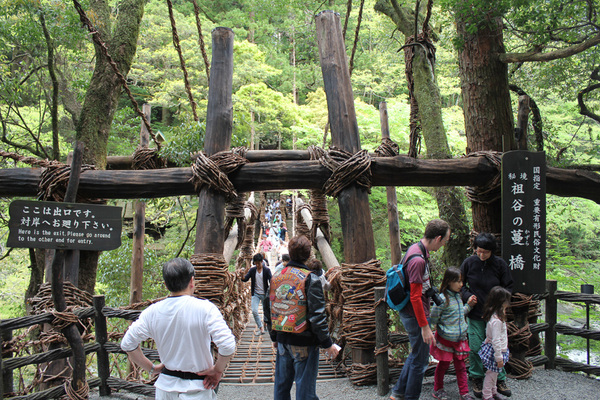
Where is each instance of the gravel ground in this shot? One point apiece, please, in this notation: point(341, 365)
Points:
point(544, 385)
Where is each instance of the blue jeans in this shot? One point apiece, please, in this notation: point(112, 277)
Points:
point(256, 299)
point(411, 378)
point(299, 363)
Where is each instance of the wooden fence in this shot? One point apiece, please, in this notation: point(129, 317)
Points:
point(102, 347)
point(550, 327)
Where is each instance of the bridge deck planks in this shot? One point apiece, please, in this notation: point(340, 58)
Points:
point(254, 361)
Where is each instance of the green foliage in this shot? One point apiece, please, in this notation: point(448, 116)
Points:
point(114, 273)
point(479, 14)
point(183, 140)
point(273, 116)
point(14, 279)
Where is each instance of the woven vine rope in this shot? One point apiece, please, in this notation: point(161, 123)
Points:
point(212, 171)
point(54, 180)
point(387, 148)
point(320, 216)
point(146, 158)
point(346, 169)
point(489, 192)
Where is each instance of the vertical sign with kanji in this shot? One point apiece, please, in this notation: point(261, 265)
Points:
point(524, 219)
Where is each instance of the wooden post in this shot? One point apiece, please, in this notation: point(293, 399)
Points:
point(357, 228)
point(392, 198)
point(71, 267)
point(359, 245)
point(210, 236)
point(381, 341)
point(58, 296)
point(551, 311)
point(101, 338)
point(3, 380)
point(139, 227)
point(6, 383)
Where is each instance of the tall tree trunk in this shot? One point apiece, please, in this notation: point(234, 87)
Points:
point(486, 103)
point(449, 199)
point(102, 97)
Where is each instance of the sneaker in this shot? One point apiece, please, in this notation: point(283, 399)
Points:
point(477, 386)
point(503, 388)
point(466, 397)
point(396, 397)
point(440, 394)
point(498, 396)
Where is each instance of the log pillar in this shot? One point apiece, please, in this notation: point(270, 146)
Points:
point(139, 228)
point(357, 229)
point(392, 198)
point(551, 319)
point(210, 234)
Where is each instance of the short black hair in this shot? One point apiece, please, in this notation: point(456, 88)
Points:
point(486, 241)
point(257, 257)
point(285, 257)
point(177, 274)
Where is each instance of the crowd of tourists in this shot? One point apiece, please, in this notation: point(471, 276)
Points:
point(468, 320)
point(274, 234)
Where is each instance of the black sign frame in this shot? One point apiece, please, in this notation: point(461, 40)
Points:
point(68, 226)
point(524, 219)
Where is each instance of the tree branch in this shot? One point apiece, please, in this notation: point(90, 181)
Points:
point(54, 105)
point(536, 55)
point(583, 110)
point(537, 117)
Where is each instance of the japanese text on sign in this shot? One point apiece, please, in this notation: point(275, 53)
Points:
point(524, 218)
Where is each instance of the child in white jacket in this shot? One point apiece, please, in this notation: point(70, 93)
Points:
point(494, 350)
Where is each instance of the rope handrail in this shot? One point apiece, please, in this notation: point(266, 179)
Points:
point(30, 320)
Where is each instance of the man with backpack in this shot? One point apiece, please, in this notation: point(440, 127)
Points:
point(415, 314)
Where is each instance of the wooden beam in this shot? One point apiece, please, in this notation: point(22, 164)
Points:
point(125, 162)
point(392, 171)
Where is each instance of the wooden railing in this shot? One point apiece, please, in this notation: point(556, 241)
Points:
point(101, 347)
point(550, 327)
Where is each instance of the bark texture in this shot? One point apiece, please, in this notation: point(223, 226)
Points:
point(487, 110)
point(101, 99)
point(449, 199)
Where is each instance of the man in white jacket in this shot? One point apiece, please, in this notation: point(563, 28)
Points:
point(183, 327)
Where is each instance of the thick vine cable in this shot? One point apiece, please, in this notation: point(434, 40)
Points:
point(96, 38)
point(360, 12)
point(177, 46)
point(201, 40)
point(348, 11)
